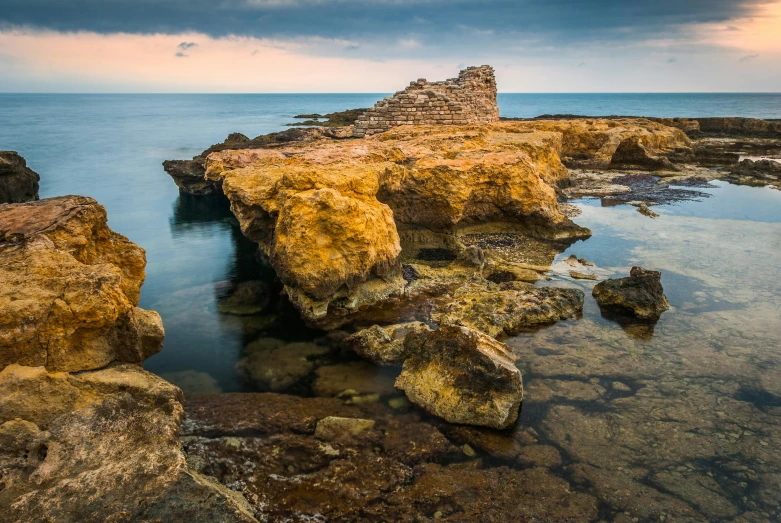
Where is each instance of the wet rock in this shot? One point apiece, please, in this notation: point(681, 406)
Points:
point(462, 376)
point(357, 377)
point(276, 365)
point(701, 491)
point(516, 495)
point(335, 428)
point(507, 308)
point(384, 345)
point(266, 413)
point(69, 288)
point(416, 442)
point(643, 209)
point(641, 293)
point(18, 183)
point(582, 275)
point(193, 382)
point(756, 172)
point(539, 456)
point(545, 390)
point(497, 444)
point(247, 298)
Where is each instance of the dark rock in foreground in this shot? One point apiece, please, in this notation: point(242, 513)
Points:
point(18, 183)
point(756, 172)
point(641, 294)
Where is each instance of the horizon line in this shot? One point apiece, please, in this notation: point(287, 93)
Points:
point(368, 93)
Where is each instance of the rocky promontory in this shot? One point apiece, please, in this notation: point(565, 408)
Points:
point(18, 183)
point(85, 433)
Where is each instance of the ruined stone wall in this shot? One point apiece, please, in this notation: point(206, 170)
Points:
point(470, 98)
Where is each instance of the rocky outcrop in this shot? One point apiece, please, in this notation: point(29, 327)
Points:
point(18, 183)
point(327, 213)
point(462, 376)
point(725, 126)
point(640, 294)
point(70, 288)
point(605, 143)
point(756, 172)
point(189, 174)
point(85, 433)
point(468, 99)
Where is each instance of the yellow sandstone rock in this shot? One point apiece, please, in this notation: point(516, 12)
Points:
point(69, 287)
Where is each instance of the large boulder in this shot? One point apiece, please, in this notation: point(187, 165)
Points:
point(69, 288)
point(462, 376)
point(640, 294)
point(18, 183)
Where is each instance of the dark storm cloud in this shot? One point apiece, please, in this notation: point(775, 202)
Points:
point(566, 20)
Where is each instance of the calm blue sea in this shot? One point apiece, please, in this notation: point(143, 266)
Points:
point(111, 147)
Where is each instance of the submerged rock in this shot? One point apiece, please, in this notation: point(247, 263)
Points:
point(276, 365)
point(641, 294)
point(508, 308)
point(462, 376)
point(384, 345)
point(18, 183)
point(247, 298)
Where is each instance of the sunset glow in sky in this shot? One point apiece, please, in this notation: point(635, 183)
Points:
point(378, 45)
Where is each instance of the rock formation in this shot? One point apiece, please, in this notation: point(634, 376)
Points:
point(468, 99)
point(640, 294)
point(462, 376)
point(18, 183)
point(327, 213)
point(189, 174)
point(85, 433)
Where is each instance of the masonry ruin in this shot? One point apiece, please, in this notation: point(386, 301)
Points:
point(470, 98)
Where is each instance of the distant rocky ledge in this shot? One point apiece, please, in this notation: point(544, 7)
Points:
point(18, 183)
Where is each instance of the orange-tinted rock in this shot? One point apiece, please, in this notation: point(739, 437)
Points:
point(69, 287)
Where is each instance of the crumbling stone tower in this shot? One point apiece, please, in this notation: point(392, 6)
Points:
point(470, 98)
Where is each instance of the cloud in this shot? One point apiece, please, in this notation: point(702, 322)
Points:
point(748, 58)
point(181, 55)
point(563, 20)
point(672, 60)
point(184, 46)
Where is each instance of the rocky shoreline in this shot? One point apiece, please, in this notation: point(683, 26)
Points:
point(420, 251)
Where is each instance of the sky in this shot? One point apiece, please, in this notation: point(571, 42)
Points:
point(378, 46)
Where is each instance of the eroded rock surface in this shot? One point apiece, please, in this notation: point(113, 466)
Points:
point(374, 467)
point(85, 433)
point(462, 376)
point(327, 213)
point(384, 345)
point(641, 293)
point(70, 288)
point(18, 183)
